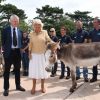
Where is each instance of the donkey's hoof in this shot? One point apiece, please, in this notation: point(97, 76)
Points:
point(74, 86)
point(71, 90)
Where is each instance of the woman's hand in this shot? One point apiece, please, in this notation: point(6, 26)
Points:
point(30, 56)
point(22, 50)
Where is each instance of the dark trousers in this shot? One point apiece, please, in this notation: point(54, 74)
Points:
point(15, 59)
point(62, 69)
point(95, 72)
point(68, 71)
point(25, 61)
point(54, 69)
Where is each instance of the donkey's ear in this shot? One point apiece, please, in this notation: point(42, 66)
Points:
point(58, 45)
point(58, 41)
point(51, 45)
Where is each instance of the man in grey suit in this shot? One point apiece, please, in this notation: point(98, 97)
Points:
point(12, 43)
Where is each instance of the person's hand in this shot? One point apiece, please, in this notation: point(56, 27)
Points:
point(22, 50)
point(30, 56)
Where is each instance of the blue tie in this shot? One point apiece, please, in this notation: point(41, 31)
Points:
point(14, 37)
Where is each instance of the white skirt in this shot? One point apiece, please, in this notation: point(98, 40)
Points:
point(37, 66)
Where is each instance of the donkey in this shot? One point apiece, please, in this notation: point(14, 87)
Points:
point(73, 55)
point(1, 64)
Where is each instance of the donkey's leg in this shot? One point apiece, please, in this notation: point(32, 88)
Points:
point(74, 83)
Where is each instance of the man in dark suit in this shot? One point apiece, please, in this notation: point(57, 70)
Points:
point(11, 43)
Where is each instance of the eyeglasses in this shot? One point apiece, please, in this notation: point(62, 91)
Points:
point(51, 31)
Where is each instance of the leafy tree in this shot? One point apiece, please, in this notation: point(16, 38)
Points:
point(1, 0)
point(83, 16)
point(49, 16)
point(1, 5)
point(54, 17)
point(23, 26)
point(9, 9)
point(0, 20)
point(78, 14)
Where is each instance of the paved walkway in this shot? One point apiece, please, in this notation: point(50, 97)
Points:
point(57, 89)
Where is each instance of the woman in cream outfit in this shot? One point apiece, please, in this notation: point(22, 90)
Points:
point(37, 48)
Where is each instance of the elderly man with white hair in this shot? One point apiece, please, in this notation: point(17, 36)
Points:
point(39, 39)
point(11, 44)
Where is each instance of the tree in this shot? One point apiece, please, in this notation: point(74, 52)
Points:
point(50, 16)
point(1, 0)
point(78, 14)
point(83, 16)
point(54, 17)
point(1, 5)
point(23, 26)
point(9, 9)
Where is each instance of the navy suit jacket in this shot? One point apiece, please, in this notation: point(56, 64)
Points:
point(6, 37)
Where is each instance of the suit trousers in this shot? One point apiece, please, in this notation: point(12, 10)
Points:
point(15, 59)
point(54, 69)
point(62, 69)
point(95, 72)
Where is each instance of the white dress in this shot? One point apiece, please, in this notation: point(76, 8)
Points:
point(38, 62)
point(37, 66)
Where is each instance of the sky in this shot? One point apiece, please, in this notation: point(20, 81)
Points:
point(29, 6)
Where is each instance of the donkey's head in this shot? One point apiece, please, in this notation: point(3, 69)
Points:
point(53, 47)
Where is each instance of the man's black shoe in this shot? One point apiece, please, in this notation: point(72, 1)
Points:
point(86, 80)
point(20, 88)
point(93, 80)
point(77, 78)
point(61, 77)
point(13, 72)
point(67, 77)
point(6, 92)
point(52, 75)
point(25, 74)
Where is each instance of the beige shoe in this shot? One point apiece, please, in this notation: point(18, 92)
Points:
point(43, 90)
point(32, 92)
